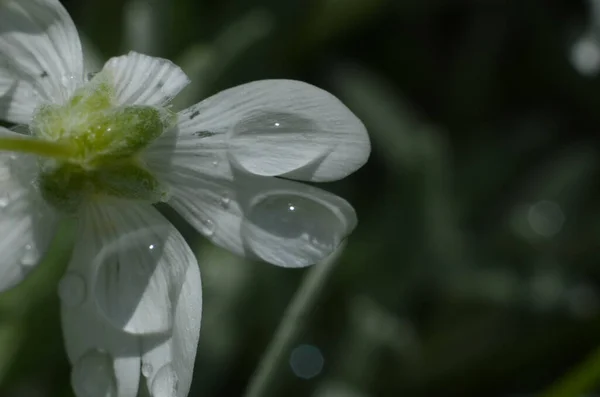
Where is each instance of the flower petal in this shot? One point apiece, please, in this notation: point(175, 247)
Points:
point(140, 260)
point(169, 364)
point(282, 222)
point(87, 334)
point(89, 337)
point(42, 57)
point(144, 80)
point(103, 357)
point(27, 225)
point(283, 127)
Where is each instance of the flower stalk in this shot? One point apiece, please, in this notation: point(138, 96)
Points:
point(294, 321)
point(35, 146)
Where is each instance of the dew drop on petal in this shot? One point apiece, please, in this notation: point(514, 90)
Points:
point(258, 136)
point(268, 122)
point(67, 79)
point(225, 201)
point(147, 369)
point(93, 375)
point(30, 256)
point(215, 163)
point(72, 289)
point(165, 382)
point(303, 220)
point(207, 227)
point(3, 201)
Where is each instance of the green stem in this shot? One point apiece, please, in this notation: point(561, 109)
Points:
point(294, 319)
point(36, 146)
point(579, 381)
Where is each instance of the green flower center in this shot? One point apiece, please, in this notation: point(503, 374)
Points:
point(96, 148)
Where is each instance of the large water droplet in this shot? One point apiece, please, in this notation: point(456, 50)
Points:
point(30, 255)
point(273, 123)
point(261, 139)
point(93, 375)
point(305, 223)
point(3, 200)
point(72, 289)
point(165, 383)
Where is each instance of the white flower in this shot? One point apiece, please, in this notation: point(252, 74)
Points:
point(104, 148)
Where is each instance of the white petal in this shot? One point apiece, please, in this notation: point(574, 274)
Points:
point(27, 225)
point(282, 222)
point(42, 58)
point(144, 80)
point(140, 261)
point(283, 127)
point(86, 333)
point(170, 361)
point(86, 329)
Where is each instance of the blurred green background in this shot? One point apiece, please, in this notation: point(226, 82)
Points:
point(474, 269)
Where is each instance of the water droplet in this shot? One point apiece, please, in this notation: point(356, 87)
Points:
point(207, 227)
point(72, 289)
point(152, 247)
point(30, 255)
point(225, 201)
point(546, 218)
point(165, 383)
point(147, 369)
point(93, 375)
point(268, 122)
point(215, 163)
point(4, 201)
point(67, 79)
point(269, 132)
point(585, 56)
point(301, 221)
point(306, 361)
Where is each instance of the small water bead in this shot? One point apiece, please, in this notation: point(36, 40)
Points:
point(225, 201)
point(207, 227)
point(93, 375)
point(67, 79)
point(147, 369)
point(72, 289)
point(30, 255)
point(165, 383)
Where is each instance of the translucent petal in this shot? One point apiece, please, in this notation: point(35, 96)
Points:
point(282, 127)
point(168, 363)
point(26, 223)
point(42, 57)
point(144, 80)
